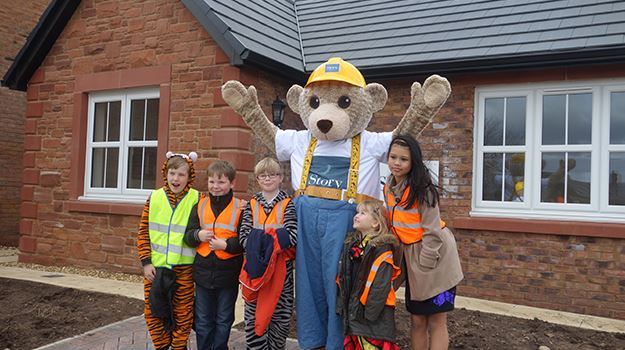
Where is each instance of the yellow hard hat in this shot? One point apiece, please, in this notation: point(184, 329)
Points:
point(337, 69)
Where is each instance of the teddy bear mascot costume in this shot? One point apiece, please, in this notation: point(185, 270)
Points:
point(334, 166)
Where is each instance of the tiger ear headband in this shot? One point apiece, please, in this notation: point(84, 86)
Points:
point(192, 155)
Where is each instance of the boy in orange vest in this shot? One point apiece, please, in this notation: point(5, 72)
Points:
point(213, 229)
point(269, 234)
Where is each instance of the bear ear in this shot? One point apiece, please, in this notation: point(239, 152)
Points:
point(292, 97)
point(378, 96)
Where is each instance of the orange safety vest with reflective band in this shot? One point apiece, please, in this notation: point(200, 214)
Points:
point(224, 225)
point(405, 223)
point(274, 220)
point(386, 257)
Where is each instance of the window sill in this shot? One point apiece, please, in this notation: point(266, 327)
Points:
point(104, 207)
point(550, 227)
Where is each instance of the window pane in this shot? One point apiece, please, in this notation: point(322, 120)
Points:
point(137, 114)
point(491, 187)
point(112, 162)
point(617, 178)
point(135, 162)
point(515, 179)
point(554, 117)
point(99, 122)
point(617, 118)
point(515, 121)
point(580, 119)
point(151, 127)
point(552, 177)
point(149, 168)
point(114, 115)
point(97, 167)
point(493, 121)
point(578, 180)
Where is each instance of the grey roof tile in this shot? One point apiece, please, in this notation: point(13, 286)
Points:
point(615, 28)
point(569, 43)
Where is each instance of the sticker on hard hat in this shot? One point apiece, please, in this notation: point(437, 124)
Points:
point(332, 68)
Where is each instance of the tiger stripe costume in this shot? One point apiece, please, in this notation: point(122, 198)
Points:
point(184, 295)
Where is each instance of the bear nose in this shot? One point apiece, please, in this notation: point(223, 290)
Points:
point(324, 125)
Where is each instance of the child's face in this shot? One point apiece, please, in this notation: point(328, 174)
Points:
point(177, 179)
point(269, 182)
point(218, 185)
point(364, 221)
point(399, 161)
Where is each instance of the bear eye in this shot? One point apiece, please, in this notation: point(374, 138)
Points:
point(344, 102)
point(314, 102)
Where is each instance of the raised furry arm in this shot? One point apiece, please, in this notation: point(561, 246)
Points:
point(245, 103)
point(425, 102)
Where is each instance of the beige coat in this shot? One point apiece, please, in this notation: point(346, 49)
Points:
point(432, 264)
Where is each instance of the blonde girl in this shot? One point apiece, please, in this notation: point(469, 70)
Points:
point(366, 299)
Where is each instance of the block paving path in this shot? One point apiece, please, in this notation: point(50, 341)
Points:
point(132, 334)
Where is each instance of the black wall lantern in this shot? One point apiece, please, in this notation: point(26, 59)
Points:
point(277, 111)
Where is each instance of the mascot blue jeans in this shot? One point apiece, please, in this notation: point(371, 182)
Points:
point(322, 225)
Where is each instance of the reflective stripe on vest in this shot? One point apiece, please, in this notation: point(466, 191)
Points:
point(224, 225)
point(275, 218)
point(405, 223)
point(166, 229)
point(386, 257)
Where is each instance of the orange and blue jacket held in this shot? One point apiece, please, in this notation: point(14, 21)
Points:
point(264, 267)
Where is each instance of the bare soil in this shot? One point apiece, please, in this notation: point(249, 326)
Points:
point(34, 314)
point(479, 330)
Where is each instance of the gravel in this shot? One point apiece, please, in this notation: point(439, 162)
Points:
point(11, 251)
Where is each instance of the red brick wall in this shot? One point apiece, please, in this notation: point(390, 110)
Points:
point(121, 36)
point(16, 22)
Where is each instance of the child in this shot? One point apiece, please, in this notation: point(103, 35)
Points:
point(166, 259)
point(430, 256)
point(366, 298)
point(213, 229)
point(268, 233)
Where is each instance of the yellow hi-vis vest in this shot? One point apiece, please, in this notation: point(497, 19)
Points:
point(167, 227)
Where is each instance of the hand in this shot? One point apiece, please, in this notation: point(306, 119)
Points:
point(218, 244)
point(433, 94)
point(242, 100)
point(149, 272)
point(205, 235)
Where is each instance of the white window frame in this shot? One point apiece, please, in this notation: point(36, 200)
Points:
point(120, 193)
point(532, 208)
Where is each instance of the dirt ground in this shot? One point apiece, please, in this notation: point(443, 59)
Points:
point(34, 314)
point(483, 331)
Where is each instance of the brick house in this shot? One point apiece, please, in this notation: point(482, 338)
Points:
point(15, 25)
point(531, 144)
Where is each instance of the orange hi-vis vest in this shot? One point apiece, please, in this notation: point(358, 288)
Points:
point(224, 225)
point(386, 257)
point(274, 220)
point(405, 223)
